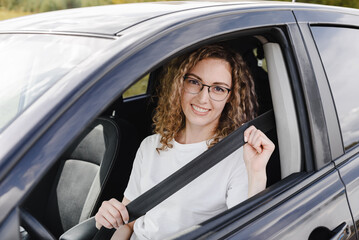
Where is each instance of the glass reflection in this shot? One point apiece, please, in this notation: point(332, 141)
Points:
point(339, 50)
point(31, 63)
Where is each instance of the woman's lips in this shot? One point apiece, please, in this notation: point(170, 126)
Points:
point(200, 109)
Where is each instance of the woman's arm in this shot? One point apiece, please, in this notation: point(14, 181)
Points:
point(124, 232)
point(256, 154)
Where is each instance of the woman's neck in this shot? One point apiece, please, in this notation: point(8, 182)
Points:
point(192, 134)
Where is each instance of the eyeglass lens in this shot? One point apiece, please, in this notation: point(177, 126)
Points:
point(195, 86)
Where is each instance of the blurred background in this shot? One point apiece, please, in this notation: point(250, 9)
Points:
point(16, 8)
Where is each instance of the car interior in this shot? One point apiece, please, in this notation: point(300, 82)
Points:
point(97, 165)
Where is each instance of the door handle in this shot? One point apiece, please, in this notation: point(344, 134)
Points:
point(341, 232)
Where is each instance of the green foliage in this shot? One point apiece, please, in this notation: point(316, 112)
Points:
point(343, 3)
point(48, 5)
point(138, 88)
point(5, 14)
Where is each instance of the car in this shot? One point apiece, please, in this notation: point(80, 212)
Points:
point(78, 93)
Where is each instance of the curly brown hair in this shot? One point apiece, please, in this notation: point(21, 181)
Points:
point(242, 106)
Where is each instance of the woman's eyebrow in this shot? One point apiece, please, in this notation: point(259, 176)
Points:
point(221, 83)
point(194, 75)
point(215, 83)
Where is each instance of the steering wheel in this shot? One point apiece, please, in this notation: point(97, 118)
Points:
point(34, 228)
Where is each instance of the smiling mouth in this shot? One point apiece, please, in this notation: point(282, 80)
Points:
point(199, 109)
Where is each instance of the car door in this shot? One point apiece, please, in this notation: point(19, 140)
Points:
point(312, 203)
point(308, 203)
point(337, 47)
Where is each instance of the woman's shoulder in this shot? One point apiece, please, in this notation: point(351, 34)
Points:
point(151, 140)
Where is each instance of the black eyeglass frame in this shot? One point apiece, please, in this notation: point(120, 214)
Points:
point(209, 87)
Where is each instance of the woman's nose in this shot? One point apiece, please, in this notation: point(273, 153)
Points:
point(204, 94)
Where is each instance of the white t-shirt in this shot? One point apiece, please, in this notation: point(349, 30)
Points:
point(220, 188)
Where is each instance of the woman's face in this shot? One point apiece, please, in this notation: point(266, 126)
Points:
point(200, 110)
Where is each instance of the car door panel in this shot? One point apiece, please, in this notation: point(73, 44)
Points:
point(349, 173)
point(292, 213)
point(322, 204)
point(331, 34)
point(298, 216)
point(290, 209)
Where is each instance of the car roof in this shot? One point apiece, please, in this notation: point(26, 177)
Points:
point(108, 19)
point(111, 19)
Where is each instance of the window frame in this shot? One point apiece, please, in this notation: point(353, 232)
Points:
point(307, 19)
point(241, 215)
point(313, 95)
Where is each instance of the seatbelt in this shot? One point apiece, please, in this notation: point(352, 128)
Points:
point(146, 201)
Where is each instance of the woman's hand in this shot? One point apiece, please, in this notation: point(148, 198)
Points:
point(112, 214)
point(256, 154)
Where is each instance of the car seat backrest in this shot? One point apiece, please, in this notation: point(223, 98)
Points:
point(82, 174)
point(285, 112)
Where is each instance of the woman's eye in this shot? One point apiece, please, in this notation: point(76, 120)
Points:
point(219, 89)
point(193, 81)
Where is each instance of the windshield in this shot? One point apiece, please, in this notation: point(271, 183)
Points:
point(31, 63)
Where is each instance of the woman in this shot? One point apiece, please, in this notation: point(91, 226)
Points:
point(203, 97)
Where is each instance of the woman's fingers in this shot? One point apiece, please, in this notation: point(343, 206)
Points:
point(112, 214)
point(102, 221)
point(248, 133)
point(251, 136)
point(121, 209)
point(258, 140)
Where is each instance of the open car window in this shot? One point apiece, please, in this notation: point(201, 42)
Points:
point(267, 66)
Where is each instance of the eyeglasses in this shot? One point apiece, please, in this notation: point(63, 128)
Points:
point(195, 86)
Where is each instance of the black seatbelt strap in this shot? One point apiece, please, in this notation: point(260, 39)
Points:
point(146, 201)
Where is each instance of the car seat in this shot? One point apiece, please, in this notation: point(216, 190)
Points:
point(83, 172)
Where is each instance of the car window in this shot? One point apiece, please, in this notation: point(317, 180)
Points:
point(25, 75)
point(338, 50)
point(136, 112)
point(138, 88)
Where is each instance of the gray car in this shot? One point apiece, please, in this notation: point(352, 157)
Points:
point(77, 93)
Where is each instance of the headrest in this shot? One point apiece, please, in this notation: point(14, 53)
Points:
point(92, 144)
